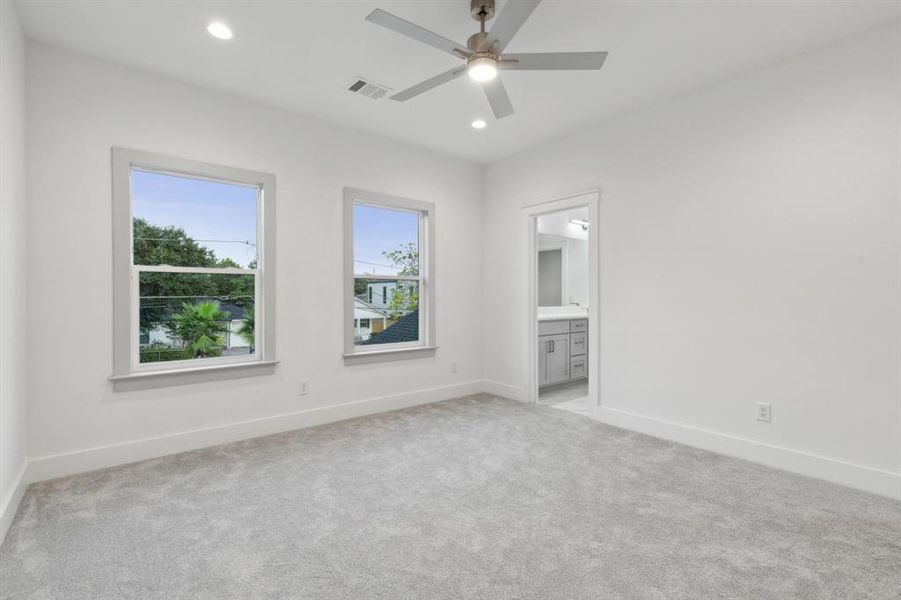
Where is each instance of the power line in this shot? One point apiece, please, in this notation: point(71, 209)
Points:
point(364, 262)
point(182, 240)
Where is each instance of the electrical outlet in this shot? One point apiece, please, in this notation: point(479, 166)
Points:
point(763, 411)
point(304, 388)
point(454, 367)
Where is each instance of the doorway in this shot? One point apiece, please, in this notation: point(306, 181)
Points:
point(563, 309)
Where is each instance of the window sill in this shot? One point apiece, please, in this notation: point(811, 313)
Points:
point(154, 379)
point(372, 356)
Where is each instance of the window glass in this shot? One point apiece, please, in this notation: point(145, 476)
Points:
point(394, 321)
point(184, 316)
point(386, 241)
point(389, 268)
point(189, 222)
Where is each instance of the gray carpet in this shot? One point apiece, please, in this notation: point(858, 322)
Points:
point(472, 498)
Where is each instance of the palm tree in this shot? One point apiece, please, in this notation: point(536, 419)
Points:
point(200, 327)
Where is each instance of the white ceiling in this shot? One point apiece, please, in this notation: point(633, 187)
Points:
point(302, 55)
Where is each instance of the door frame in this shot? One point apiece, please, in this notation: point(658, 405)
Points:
point(592, 199)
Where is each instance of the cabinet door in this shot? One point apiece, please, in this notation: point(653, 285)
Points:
point(544, 345)
point(558, 358)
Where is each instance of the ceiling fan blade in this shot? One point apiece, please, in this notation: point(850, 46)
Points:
point(411, 30)
point(554, 61)
point(509, 21)
point(498, 98)
point(428, 84)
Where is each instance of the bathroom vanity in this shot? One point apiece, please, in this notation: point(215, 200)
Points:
point(562, 349)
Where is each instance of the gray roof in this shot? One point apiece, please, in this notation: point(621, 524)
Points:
point(406, 329)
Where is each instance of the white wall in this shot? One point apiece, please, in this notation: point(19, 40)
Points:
point(78, 109)
point(750, 251)
point(12, 261)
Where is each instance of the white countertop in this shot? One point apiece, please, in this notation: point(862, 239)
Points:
point(559, 313)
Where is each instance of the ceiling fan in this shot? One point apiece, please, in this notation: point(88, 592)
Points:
point(483, 52)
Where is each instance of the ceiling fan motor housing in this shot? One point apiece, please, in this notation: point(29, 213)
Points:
point(479, 42)
point(481, 9)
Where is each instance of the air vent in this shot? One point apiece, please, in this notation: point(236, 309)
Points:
point(367, 88)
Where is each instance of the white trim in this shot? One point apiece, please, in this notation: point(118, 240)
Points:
point(877, 481)
point(531, 212)
point(193, 270)
point(387, 352)
point(512, 392)
point(126, 355)
point(378, 277)
point(12, 500)
point(868, 479)
point(884, 483)
point(70, 463)
point(425, 278)
point(146, 379)
point(192, 365)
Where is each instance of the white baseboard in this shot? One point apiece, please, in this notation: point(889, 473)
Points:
point(48, 467)
point(11, 502)
point(60, 465)
point(884, 483)
point(504, 390)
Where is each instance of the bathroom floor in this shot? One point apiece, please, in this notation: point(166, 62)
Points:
point(572, 396)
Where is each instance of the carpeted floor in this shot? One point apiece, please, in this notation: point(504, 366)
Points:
point(472, 498)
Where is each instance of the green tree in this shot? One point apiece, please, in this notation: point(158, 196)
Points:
point(164, 293)
point(405, 296)
point(361, 286)
point(405, 259)
point(155, 245)
point(200, 327)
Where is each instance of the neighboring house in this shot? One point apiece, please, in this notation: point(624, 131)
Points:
point(380, 293)
point(405, 329)
point(368, 320)
point(233, 339)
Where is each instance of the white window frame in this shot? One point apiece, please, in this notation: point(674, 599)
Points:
point(128, 372)
point(425, 279)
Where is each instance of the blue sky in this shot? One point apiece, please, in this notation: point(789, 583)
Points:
point(206, 210)
point(378, 230)
point(209, 210)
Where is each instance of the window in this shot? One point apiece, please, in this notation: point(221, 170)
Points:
point(193, 287)
point(388, 258)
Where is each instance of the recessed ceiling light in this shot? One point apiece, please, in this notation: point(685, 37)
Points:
point(220, 30)
point(479, 124)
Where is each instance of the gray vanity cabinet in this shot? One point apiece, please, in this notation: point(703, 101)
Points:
point(553, 359)
point(562, 350)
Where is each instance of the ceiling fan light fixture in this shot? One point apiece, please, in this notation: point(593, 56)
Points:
point(220, 30)
point(482, 68)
